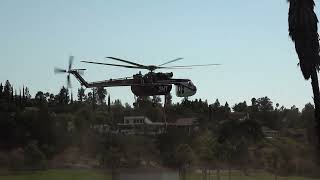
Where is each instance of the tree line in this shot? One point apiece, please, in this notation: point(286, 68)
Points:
point(45, 125)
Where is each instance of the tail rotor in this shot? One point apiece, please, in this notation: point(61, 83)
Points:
point(69, 71)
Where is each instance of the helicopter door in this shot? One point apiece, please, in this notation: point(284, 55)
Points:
point(185, 89)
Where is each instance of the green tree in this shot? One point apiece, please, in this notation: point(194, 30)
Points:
point(234, 138)
point(203, 146)
point(225, 152)
point(7, 90)
point(12, 95)
point(34, 157)
point(253, 108)
point(89, 98)
point(264, 104)
point(293, 117)
point(101, 95)
point(51, 99)
point(40, 98)
point(144, 101)
point(227, 108)
point(109, 103)
point(1, 90)
point(27, 94)
point(303, 30)
point(81, 94)
point(184, 157)
point(275, 158)
point(117, 110)
point(117, 103)
point(218, 112)
point(168, 99)
point(111, 158)
point(46, 95)
point(216, 104)
point(61, 130)
point(94, 97)
point(240, 107)
point(63, 96)
point(308, 122)
point(156, 100)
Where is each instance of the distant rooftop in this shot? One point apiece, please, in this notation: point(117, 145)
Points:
point(238, 116)
point(184, 122)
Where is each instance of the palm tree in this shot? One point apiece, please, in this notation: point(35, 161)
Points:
point(303, 30)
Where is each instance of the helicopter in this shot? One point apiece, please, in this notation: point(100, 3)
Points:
point(149, 84)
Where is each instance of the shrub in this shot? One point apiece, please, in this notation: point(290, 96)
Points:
point(4, 160)
point(48, 150)
point(34, 157)
point(16, 159)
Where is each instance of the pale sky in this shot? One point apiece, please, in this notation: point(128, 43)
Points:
point(248, 37)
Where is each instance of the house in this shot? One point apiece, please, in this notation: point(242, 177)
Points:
point(189, 124)
point(139, 120)
point(184, 122)
point(270, 133)
point(297, 134)
point(140, 125)
point(101, 128)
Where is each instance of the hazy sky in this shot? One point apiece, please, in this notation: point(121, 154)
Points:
point(248, 37)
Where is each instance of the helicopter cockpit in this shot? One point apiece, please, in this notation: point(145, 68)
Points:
point(185, 89)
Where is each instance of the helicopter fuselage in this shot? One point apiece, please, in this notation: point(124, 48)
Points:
point(149, 84)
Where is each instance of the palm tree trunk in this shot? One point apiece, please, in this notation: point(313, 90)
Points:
point(316, 99)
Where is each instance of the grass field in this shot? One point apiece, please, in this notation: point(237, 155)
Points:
point(240, 176)
point(98, 175)
point(59, 175)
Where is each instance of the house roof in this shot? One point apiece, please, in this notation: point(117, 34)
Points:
point(145, 119)
point(238, 116)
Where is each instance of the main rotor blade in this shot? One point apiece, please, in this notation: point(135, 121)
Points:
point(191, 65)
point(174, 68)
point(118, 65)
point(129, 62)
point(70, 62)
point(174, 60)
point(59, 70)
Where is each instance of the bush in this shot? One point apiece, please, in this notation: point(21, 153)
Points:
point(16, 159)
point(4, 160)
point(34, 157)
point(48, 150)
